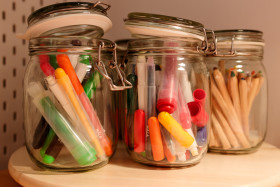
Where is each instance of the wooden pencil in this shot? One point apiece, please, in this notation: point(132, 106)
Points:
point(220, 81)
point(230, 114)
point(228, 131)
point(234, 93)
point(217, 126)
point(213, 141)
point(244, 106)
point(222, 67)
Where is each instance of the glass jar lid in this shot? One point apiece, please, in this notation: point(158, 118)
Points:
point(145, 24)
point(239, 42)
point(68, 19)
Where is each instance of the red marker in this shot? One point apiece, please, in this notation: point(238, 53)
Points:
point(45, 65)
point(199, 95)
point(139, 131)
point(198, 114)
point(168, 91)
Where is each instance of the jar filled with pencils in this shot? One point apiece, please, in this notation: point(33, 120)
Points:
point(69, 105)
point(238, 92)
point(168, 107)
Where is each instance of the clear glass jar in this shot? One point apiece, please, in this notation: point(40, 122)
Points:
point(168, 109)
point(239, 92)
point(166, 124)
point(70, 109)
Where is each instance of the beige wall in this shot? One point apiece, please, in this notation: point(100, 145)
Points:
point(220, 14)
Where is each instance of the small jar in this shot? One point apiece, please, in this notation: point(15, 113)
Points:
point(168, 107)
point(69, 84)
point(239, 92)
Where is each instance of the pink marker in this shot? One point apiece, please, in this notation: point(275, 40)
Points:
point(198, 114)
point(168, 91)
point(139, 131)
point(199, 95)
point(184, 113)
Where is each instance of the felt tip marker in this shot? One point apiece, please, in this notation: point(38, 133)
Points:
point(175, 129)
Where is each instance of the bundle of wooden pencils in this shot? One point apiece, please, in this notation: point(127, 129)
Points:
point(233, 94)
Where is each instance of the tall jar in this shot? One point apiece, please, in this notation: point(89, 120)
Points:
point(69, 84)
point(239, 92)
point(168, 109)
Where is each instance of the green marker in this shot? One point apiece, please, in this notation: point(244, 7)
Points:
point(53, 61)
point(92, 83)
point(76, 143)
point(47, 158)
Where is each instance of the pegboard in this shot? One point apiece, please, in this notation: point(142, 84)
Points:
point(13, 60)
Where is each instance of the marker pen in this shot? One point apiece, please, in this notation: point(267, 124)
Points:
point(132, 105)
point(168, 145)
point(141, 75)
point(92, 83)
point(198, 114)
point(150, 106)
point(199, 95)
point(168, 91)
point(185, 86)
point(156, 141)
point(139, 131)
point(40, 133)
point(82, 67)
point(185, 119)
point(64, 63)
point(175, 129)
point(51, 148)
point(64, 82)
point(83, 153)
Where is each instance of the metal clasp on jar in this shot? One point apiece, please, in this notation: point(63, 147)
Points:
point(100, 66)
point(207, 47)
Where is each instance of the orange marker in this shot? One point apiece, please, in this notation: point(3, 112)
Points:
point(156, 141)
point(169, 156)
point(64, 62)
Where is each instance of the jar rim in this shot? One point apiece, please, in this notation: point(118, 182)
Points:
point(171, 44)
point(243, 36)
point(172, 26)
point(61, 42)
point(60, 7)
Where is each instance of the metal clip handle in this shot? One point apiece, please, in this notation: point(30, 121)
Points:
point(100, 3)
point(204, 45)
point(102, 70)
point(232, 51)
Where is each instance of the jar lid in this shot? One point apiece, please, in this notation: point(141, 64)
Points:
point(72, 18)
point(145, 24)
point(240, 36)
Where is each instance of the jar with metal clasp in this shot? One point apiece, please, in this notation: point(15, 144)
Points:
point(69, 84)
point(239, 92)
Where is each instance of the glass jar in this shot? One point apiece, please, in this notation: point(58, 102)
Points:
point(69, 111)
point(168, 107)
point(239, 92)
point(69, 105)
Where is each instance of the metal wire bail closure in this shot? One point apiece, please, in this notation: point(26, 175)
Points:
point(232, 51)
point(102, 70)
point(101, 3)
point(207, 47)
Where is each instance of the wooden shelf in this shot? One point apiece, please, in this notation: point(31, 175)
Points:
point(258, 169)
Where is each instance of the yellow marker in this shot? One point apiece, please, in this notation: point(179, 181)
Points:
point(175, 129)
point(64, 81)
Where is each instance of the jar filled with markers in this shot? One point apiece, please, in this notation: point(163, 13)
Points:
point(168, 108)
